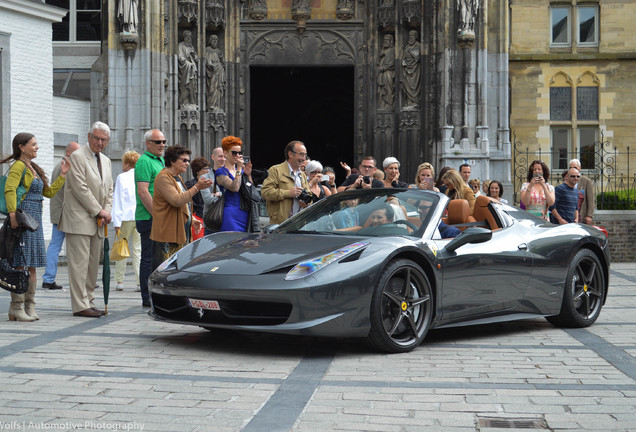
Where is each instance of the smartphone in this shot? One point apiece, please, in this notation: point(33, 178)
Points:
point(537, 175)
point(246, 159)
point(428, 183)
point(325, 177)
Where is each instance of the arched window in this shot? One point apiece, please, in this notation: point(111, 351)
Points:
point(574, 119)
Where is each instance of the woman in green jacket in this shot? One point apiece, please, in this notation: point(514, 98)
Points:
point(29, 251)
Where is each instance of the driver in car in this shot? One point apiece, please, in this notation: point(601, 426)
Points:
point(381, 216)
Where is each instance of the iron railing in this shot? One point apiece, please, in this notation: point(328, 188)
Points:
point(611, 170)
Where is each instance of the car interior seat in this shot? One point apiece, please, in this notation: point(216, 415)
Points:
point(483, 211)
point(458, 213)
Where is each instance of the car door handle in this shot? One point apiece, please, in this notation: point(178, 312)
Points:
point(522, 246)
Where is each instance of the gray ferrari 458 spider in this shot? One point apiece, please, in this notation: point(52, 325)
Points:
point(387, 265)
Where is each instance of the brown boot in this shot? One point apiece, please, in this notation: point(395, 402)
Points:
point(16, 309)
point(29, 303)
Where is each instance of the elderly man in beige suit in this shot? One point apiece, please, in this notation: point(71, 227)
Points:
point(88, 198)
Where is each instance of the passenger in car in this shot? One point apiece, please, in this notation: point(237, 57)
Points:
point(348, 216)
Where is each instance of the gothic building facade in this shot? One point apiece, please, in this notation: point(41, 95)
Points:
point(415, 79)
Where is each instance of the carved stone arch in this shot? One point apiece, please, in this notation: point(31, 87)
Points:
point(561, 79)
point(319, 47)
point(588, 79)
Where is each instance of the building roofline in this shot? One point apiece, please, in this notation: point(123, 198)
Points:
point(35, 8)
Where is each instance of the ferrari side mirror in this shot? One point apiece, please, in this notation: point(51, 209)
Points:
point(470, 235)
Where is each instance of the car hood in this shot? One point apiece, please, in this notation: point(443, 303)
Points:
point(253, 254)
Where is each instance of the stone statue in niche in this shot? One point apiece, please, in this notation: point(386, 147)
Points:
point(128, 13)
point(411, 68)
point(386, 73)
point(215, 74)
point(467, 12)
point(188, 72)
point(188, 10)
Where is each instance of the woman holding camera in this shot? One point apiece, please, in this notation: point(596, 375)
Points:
point(536, 194)
point(238, 215)
point(317, 189)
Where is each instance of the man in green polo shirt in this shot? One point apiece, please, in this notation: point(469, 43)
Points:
point(146, 169)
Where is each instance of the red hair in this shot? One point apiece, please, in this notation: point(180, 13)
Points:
point(231, 141)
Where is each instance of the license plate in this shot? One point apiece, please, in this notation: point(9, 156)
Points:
point(204, 304)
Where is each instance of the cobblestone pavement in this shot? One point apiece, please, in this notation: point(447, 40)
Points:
point(127, 372)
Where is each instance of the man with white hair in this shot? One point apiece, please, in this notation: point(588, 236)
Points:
point(88, 200)
point(586, 188)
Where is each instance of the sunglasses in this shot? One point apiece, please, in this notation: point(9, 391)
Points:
point(236, 153)
point(158, 141)
point(184, 160)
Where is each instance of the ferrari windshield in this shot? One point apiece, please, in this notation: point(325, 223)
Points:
point(371, 212)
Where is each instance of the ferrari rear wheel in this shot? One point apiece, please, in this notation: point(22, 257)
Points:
point(401, 307)
point(584, 292)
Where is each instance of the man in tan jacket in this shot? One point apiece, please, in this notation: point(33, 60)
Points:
point(57, 236)
point(285, 183)
point(88, 200)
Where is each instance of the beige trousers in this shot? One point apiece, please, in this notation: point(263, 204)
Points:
point(83, 253)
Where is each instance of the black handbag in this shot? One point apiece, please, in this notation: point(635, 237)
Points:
point(26, 221)
point(213, 218)
point(13, 280)
point(249, 191)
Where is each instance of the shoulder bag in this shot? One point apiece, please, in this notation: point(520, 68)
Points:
point(213, 218)
point(20, 192)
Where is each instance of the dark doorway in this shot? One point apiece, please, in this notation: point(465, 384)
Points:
point(311, 104)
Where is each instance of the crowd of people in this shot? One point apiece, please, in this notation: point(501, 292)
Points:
point(158, 213)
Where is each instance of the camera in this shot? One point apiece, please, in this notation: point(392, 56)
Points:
point(305, 197)
point(325, 178)
point(366, 179)
point(537, 175)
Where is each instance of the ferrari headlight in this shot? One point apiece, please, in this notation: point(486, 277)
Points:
point(167, 263)
point(306, 268)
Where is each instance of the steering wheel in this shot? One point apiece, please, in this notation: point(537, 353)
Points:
point(407, 223)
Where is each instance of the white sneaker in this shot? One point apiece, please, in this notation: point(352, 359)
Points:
point(120, 286)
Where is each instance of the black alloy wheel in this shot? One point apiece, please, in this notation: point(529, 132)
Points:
point(401, 307)
point(584, 292)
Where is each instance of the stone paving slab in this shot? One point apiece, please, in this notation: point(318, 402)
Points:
point(128, 372)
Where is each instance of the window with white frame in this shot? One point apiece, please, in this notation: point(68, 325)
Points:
point(560, 25)
point(587, 25)
point(584, 16)
point(81, 24)
point(574, 120)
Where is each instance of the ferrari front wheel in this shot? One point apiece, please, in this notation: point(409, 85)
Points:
point(401, 307)
point(584, 292)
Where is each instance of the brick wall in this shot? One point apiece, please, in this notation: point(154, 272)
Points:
point(621, 227)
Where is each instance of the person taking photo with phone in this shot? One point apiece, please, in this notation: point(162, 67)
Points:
point(316, 178)
point(536, 194)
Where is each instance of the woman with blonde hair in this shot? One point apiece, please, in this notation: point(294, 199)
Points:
point(425, 177)
point(456, 188)
point(474, 185)
point(124, 204)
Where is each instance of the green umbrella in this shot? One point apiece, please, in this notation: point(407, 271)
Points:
point(106, 270)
